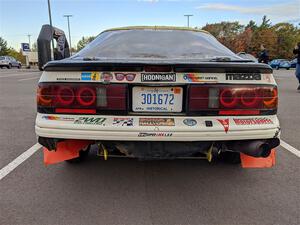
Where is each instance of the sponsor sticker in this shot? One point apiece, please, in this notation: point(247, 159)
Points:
point(190, 122)
point(90, 120)
point(58, 118)
point(243, 76)
point(196, 77)
point(126, 122)
point(225, 124)
point(156, 122)
point(158, 77)
point(152, 134)
point(67, 78)
point(253, 121)
point(96, 76)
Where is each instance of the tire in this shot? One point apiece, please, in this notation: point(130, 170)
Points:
point(19, 66)
point(277, 67)
point(82, 156)
point(230, 157)
point(9, 66)
point(287, 68)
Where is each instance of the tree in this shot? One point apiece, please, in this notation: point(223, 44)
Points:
point(17, 55)
point(83, 42)
point(251, 25)
point(265, 23)
point(3, 47)
point(287, 36)
point(225, 32)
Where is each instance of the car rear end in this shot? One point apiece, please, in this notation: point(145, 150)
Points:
point(160, 109)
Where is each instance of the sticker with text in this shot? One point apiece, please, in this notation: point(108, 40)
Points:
point(90, 120)
point(253, 121)
point(58, 118)
point(157, 122)
point(196, 77)
point(153, 134)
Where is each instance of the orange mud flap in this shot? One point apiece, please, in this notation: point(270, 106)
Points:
point(253, 162)
point(65, 150)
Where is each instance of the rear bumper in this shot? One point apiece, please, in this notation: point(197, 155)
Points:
point(106, 128)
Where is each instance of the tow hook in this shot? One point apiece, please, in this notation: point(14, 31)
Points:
point(102, 151)
point(211, 153)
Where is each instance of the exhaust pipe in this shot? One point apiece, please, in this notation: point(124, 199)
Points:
point(255, 148)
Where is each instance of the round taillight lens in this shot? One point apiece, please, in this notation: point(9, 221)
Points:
point(86, 96)
point(270, 98)
point(228, 98)
point(44, 96)
point(249, 98)
point(65, 95)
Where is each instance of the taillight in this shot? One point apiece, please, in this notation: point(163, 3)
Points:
point(232, 100)
point(81, 98)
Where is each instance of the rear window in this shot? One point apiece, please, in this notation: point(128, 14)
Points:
point(2, 57)
point(155, 44)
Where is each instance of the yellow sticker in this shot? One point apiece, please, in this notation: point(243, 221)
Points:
point(95, 76)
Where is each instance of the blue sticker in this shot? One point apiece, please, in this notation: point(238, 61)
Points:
point(86, 75)
point(190, 122)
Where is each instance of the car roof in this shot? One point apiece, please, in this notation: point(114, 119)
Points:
point(156, 28)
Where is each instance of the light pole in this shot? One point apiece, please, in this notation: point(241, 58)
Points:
point(29, 35)
point(188, 19)
point(68, 18)
point(50, 20)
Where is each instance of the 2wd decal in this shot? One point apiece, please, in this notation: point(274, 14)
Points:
point(253, 121)
point(243, 76)
point(141, 134)
point(156, 122)
point(225, 124)
point(90, 121)
point(196, 77)
point(126, 122)
point(158, 77)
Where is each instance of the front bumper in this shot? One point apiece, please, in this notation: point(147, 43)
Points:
point(129, 128)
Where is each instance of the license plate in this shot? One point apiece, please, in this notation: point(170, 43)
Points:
point(157, 99)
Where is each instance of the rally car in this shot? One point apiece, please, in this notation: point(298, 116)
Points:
point(157, 93)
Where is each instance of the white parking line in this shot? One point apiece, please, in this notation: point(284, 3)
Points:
point(28, 153)
point(18, 161)
point(30, 78)
point(16, 75)
point(290, 148)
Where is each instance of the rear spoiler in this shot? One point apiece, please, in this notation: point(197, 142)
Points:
point(207, 67)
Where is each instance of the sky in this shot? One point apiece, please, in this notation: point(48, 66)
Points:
point(19, 18)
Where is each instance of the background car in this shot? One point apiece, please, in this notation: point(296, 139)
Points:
point(245, 55)
point(280, 63)
point(293, 63)
point(9, 62)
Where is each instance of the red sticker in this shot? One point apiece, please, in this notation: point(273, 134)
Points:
point(225, 124)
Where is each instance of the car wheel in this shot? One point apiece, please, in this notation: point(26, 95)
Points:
point(82, 155)
point(9, 66)
point(230, 157)
point(287, 68)
point(277, 67)
point(19, 66)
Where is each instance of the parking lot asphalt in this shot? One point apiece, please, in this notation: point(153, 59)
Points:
point(128, 191)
